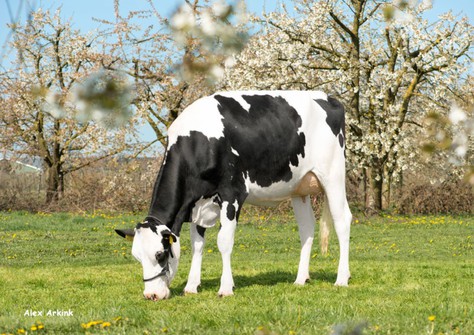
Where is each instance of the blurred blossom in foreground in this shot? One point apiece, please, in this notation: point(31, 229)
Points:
point(457, 115)
point(217, 38)
point(105, 99)
point(396, 13)
point(461, 125)
point(52, 104)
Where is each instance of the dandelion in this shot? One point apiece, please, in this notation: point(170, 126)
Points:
point(431, 318)
point(105, 325)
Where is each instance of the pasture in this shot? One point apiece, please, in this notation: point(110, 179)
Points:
point(70, 274)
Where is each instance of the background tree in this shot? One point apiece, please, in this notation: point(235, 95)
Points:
point(38, 116)
point(173, 61)
point(390, 71)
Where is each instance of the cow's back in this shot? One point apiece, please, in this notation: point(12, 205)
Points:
point(263, 143)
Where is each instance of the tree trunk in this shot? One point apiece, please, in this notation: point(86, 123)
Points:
point(376, 182)
point(52, 191)
point(368, 199)
point(387, 188)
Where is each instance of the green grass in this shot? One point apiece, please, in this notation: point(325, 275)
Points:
point(409, 276)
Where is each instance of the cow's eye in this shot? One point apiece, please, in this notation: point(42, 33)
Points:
point(160, 256)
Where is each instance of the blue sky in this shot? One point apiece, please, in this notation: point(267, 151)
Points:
point(82, 12)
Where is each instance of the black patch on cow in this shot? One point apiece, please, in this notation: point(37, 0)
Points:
point(166, 241)
point(147, 224)
point(267, 142)
point(335, 116)
point(231, 212)
point(201, 231)
point(265, 137)
point(191, 171)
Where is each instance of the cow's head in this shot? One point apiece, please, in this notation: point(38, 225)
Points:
point(158, 250)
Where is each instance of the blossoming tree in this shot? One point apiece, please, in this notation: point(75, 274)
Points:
point(173, 61)
point(38, 115)
point(390, 71)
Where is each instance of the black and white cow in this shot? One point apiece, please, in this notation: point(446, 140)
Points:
point(235, 147)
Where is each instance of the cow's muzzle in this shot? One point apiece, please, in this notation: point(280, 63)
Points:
point(161, 294)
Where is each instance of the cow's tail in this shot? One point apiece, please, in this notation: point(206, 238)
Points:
point(324, 226)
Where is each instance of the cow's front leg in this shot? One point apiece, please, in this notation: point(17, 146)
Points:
point(197, 245)
point(305, 218)
point(225, 242)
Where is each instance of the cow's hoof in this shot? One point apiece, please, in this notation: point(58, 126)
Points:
point(341, 284)
point(225, 294)
point(301, 282)
point(191, 290)
point(188, 292)
point(343, 281)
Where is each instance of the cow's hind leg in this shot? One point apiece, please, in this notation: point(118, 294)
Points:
point(225, 243)
point(305, 218)
point(342, 218)
point(197, 245)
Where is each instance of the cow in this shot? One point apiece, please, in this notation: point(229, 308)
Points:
point(258, 147)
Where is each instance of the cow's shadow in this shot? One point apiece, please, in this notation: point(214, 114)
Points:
point(271, 278)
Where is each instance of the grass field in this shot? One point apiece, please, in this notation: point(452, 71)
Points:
point(410, 275)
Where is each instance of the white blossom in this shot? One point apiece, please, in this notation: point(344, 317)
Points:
point(457, 115)
point(220, 8)
point(184, 18)
point(52, 104)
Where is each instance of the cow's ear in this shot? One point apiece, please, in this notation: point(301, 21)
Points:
point(167, 234)
point(126, 233)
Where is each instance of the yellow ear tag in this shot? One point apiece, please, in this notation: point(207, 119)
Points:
point(171, 240)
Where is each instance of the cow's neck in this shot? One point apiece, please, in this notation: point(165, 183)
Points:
point(168, 200)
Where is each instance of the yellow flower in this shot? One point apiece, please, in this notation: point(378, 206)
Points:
point(105, 324)
point(21, 331)
point(431, 318)
point(34, 328)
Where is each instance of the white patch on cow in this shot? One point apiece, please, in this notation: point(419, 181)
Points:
point(305, 218)
point(245, 105)
point(202, 116)
point(194, 277)
point(146, 244)
point(277, 192)
point(234, 151)
point(225, 242)
point(238, 96)
point(205, 212)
